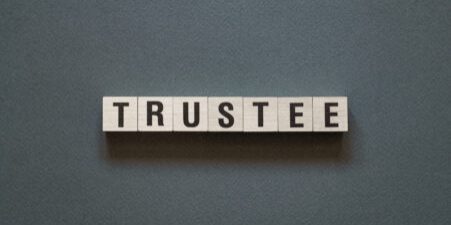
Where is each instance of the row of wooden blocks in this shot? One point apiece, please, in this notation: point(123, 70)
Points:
point(226, 114)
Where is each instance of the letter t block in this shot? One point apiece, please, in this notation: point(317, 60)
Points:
point(260, 114)
point(120, 114)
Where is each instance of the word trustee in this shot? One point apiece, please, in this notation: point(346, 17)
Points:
point(225, 114)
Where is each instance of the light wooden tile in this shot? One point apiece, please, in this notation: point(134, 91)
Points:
point(194, 117)
point(120, 114)
point(225, 114)
point(155, 114)
point(295, 114)
point(330, 114)
point(266, 120)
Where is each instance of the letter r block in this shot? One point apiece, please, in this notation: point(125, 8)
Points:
point(155, 114)
point(330, 114)
point(120, 114)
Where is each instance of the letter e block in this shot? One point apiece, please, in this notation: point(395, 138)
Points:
point(330, 114)
point(295, 114)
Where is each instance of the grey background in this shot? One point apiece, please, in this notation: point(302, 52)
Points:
point(391, 58)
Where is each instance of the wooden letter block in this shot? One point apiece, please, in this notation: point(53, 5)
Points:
point(120, 114)
point(225, 114)
point(260, 114)
point(190, 113)
point(155, 114)
point(295, 114)
point(330, 114)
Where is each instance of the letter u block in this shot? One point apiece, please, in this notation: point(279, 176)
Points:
point(190, 113)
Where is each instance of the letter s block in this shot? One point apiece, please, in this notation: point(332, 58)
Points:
point(155, 114)
point(225, 114)
point(330, 114)
point(120, 114)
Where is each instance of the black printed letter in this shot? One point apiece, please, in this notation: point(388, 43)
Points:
point(196, 115)
point(260, 111)
point(120, 106)
point(328, 114)
point(226, 115)
point(293, 114)
point(157, 113)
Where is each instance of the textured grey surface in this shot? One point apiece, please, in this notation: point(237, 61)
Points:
point(391, 58)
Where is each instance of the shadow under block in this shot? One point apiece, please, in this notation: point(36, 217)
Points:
point(225, 114)
point(155, 114)
point(295, 114)
point(120, 114)
point(260, 114)
point(330, 114)
point(190, 113)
